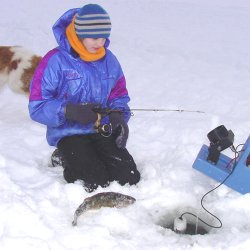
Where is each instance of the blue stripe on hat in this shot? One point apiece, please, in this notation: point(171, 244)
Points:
point(94, 17)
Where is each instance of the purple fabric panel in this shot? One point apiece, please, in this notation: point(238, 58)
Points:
point(119, 89)
point(36, 90)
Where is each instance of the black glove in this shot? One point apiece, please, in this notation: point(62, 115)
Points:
point(82, 113)
point(119, 128)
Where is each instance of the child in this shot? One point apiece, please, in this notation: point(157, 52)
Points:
point(70, 85)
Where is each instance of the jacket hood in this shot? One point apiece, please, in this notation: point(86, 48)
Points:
point(59, 29)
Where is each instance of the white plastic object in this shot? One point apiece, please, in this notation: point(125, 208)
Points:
point(180, 225)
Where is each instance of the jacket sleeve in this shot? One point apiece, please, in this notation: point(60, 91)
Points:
point(119, 98)
point(44, 107)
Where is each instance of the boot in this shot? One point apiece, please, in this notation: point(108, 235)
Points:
point(56, 159)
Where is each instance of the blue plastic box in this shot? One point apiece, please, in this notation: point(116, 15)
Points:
point(239, 179)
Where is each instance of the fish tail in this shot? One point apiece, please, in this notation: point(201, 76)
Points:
point(74, 222)
point(81, 209)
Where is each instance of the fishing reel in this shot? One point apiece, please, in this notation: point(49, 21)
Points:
point(105, 129)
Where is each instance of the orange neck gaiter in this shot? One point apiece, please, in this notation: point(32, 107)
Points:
point(79, 48)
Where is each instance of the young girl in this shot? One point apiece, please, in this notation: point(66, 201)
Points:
point(70, 85)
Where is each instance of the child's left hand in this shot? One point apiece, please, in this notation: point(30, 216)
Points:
point(120, 129)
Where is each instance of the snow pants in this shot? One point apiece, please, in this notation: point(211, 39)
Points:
point(97, 161)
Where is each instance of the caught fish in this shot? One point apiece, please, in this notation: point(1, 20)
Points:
point(104, 199)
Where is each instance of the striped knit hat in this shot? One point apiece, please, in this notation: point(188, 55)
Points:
point(92, 21)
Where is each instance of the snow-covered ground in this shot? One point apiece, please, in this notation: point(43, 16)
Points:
point(176, 54)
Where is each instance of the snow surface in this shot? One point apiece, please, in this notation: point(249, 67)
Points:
point(176, 54)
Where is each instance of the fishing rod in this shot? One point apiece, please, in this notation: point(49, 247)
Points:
point(106, 129)
point(107, 111)
point(168, 110)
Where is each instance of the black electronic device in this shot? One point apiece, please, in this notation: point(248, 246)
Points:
point(220, 138)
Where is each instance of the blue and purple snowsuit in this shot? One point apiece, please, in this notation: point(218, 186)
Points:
point(62, 77)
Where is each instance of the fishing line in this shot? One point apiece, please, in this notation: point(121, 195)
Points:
point(236, 154)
